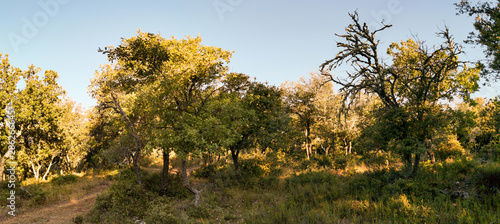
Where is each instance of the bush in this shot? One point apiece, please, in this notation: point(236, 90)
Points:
point(340, 162)
point(77, 219)
point(449, 147)
point(206, 171)
point(153, 183)
point(161, 211)
point(198, 212)
point(491, 151)
point(123, 201)
point(486, 178)
point(63, 180)
point(323, 161)
point(252, 168)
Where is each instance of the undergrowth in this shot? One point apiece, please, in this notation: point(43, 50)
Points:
point(454, 191)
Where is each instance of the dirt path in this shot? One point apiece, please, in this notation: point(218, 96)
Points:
point(60, 213)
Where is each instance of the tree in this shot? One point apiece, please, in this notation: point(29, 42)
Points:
point(253, 112)
point(178, 78)
point(410, 89)
point(39, 111)
point(9, 77)
point(487, 25)
point(74, 128)
point(300, 97)
point(112, 92)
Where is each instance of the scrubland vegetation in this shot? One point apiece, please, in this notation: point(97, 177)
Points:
point(177, 138)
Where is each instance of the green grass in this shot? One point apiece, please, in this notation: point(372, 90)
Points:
point(460, 191)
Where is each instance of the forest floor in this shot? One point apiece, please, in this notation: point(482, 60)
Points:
point(77, 202)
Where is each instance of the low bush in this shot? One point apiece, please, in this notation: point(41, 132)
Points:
point(486, 179)
point(66, 179)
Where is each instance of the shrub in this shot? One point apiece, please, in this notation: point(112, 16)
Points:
point(323, 161)
point(198, 212)
point(123, 201)
point(340, 162)
point(491, 151)
point(153, 183)
point(252, 168)
point(205, 171)
point(486, 178)
point(77, 219)
point(161, 211)
point(63, 180)
point(449, 147)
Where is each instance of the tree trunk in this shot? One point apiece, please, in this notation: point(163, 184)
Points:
point(407, 161)
point(137, 141)
point(234, 155)
point(350, 147)
point(415, 165)
point(185, 182)
point(136, 164)
point(166, 164)
point(2, 161)
point(48, 168)
point(346, 147)
point(36, 171)
point(308, 152)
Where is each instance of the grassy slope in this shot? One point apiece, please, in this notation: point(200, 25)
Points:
point(56, 201)
point(461, 191)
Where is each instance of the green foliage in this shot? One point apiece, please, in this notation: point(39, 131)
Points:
point(206, 171)
point(162, 211)
point(409, 88)
point(450, 147)
point(253, 168)
point(198, 212)
point(174, 188)
point(65, 179)
point(486, 179)
point(486, 23)
point(123, 201)
point(77, 219)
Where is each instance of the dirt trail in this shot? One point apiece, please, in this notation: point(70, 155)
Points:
point(59, 213)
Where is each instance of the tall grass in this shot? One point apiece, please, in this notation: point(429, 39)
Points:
point(453, 191)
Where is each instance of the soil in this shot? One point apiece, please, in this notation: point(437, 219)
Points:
point(58, 213)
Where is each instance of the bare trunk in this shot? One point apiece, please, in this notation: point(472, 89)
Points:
point(36, 171)
point(346, 147)
point(48, 168)
point(185, 182)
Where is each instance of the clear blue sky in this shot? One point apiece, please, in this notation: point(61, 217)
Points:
point(273, 41)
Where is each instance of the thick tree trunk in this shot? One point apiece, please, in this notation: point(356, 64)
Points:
point(166, 164)
point(185, 182)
